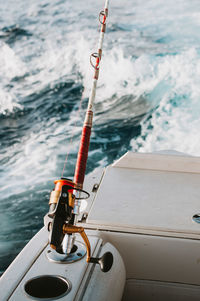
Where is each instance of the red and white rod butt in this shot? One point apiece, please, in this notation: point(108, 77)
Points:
point(83, 151)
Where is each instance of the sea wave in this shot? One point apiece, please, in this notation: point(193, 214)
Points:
point(8, 103)
point(175, 122)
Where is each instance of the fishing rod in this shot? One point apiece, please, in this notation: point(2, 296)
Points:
point(86, 131)
point(65, 199)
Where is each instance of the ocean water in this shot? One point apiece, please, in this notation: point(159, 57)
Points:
point(148, 95)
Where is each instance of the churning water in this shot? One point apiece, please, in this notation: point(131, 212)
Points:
point(148, 95)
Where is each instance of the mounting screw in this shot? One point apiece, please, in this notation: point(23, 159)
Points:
point(196, 218)
point(95, 187)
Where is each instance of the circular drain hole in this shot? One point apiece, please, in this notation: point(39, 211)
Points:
point(196, 218)
point(47, 287)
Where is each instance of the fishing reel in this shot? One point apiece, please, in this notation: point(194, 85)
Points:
point(60, 220)
point(61, 211)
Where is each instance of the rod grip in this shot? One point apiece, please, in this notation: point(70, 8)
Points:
point(82, 157)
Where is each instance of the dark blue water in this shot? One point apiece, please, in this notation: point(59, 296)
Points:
point(148, 96)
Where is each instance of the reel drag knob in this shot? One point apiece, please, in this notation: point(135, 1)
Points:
point(105, 262)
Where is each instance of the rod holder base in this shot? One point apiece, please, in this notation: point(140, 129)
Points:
point(78, 252)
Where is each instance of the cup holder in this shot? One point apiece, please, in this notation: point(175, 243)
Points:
point(47, 287)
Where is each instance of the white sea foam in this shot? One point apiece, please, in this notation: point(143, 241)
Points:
point(10, 63)
point(11, 66)
point(175, 123)
point(8, 103)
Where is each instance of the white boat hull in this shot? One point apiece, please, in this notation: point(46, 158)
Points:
point(141, 210)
